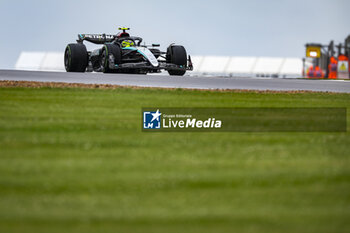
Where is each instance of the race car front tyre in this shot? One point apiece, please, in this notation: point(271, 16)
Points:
point(106, 51)
point(177, 55)
point(75, 58)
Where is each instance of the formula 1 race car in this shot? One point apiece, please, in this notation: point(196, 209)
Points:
point(123, 53)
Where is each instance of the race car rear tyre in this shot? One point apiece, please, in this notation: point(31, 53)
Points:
point(76, 58)
point(106, 51)
point(177, 55)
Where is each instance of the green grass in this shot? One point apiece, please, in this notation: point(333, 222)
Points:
point(75, 160)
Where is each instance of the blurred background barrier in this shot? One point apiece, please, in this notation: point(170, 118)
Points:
point(42, 61)
point(203, 65)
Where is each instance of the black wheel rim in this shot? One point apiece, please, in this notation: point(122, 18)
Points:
point(66, 59)
point(103, 59)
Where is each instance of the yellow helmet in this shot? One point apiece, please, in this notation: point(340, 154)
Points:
point(128, 43)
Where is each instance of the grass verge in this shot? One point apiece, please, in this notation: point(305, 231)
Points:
point(75, 160)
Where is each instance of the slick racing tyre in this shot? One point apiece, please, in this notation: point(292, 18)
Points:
point(75, 58)
point(106, 51)
point(177, 55)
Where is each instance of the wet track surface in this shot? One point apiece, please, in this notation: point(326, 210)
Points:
point(165, 81)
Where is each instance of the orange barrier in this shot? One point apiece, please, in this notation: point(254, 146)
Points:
point(315, 72)
point(333, 68)
point(310, 72)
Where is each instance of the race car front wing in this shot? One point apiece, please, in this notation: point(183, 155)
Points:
point(146, 65)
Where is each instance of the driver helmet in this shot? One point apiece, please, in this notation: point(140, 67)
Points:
point(128, 43)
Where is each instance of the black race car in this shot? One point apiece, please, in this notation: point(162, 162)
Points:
point(123, 53)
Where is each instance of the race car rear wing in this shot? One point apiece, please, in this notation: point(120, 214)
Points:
point(104, 38)
point(96, 38)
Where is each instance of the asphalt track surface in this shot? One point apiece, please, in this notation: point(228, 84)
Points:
point(192, 82)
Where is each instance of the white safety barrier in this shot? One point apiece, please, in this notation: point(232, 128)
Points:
point(203, 65)
point(248, 66)
point(43, 61)
point(241, 65)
